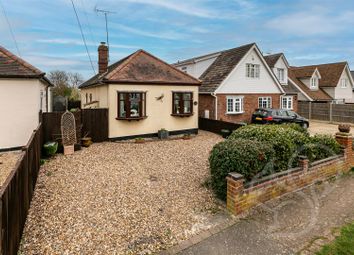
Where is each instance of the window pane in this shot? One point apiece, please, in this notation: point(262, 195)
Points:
point(230, 107)
point(134, 99)
point(187, 96)
point(187, 106)
point(122, 109)
point(237, 105)
point(176, 107)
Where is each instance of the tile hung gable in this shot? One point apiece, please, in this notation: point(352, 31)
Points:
point(238, 83)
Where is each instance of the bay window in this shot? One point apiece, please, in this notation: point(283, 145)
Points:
point(234, 104)
point(131, 105)
point(182, 103)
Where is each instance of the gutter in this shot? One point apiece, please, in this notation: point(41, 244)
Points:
point(216, 104)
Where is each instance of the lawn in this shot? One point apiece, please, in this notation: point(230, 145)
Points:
point(342, 245)
point(122, 198)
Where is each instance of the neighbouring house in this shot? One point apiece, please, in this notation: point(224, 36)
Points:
point(280, 67)
point(143, 94)
point(24, 92)
point(323, 83)
point(234, 83)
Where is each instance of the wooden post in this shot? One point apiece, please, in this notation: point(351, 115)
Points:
point(330, 111)
point(310, 110)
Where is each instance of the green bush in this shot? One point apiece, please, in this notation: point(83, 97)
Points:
point(296, 127)
point(321, 147)
point(284, 140)
point(247, 157)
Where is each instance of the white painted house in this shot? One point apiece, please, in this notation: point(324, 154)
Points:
point(234, 83)
point(24, 93)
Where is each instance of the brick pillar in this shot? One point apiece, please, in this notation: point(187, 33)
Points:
point(234, 190)
point(304, 163)
point(346, 140)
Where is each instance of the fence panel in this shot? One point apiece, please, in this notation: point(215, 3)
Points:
point(304, 109)
point(16, 194)
point(320, 111)
point(343, 113)
point(95, 124)
point(216, 126)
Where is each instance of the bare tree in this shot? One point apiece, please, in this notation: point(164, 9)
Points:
point(65, 83)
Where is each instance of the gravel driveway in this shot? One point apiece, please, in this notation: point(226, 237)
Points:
point(322, 127)
point(121, 198)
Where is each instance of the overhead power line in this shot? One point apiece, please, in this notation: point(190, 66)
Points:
point(83, 36)
point(10, 28)
point(93, 39)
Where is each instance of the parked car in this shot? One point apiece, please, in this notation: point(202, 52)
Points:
point(278, 116)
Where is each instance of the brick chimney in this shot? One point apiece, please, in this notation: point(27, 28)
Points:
point(102, 58)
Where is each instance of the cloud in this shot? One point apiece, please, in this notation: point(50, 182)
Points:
point(80, 43)
point(170, 35)
point(312, 22)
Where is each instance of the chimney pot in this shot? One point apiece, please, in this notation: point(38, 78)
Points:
point(102, 58)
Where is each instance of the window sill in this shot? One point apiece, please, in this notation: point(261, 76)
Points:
point(182, 115)
point(130, 119)
point(234, 113)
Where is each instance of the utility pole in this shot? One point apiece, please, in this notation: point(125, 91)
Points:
point(105, 13)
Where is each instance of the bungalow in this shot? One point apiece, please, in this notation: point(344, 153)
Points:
point(143, 94)
point(24, 92)
point(234, 83)
point(325, 83)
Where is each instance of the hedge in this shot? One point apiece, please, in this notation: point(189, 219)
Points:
point(247, 157)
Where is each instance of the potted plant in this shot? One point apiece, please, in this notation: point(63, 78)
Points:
point(86, 141)
point(344, 128)
point(139, 140)
point(162, 133)
point(187, 136)
point(50, 148)
point(225, 133)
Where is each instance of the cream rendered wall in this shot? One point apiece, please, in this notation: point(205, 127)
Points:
point(237, 82)
point(281, 64)
point(19, 109)
point(99, 93)
point(158, 111)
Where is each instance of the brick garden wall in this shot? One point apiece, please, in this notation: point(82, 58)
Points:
point(241, 196)
point(206, 102)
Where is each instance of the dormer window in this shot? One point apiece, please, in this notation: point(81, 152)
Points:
point(252, 70)
point(343, 84)
point(314, 83)
point(281, 74)
point(184, 69)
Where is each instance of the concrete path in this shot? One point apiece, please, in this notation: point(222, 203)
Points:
point(298, 223)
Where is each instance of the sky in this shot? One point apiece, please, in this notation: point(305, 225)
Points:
point(48, 35)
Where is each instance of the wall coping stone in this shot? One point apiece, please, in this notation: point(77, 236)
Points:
point(235, 176)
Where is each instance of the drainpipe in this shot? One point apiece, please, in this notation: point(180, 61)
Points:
point(216, 105)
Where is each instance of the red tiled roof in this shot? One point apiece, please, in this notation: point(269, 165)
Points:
point(142, 68)
point(272, 59)
point(13, 66)
point(318, 95)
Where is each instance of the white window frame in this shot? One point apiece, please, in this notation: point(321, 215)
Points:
point(281, 74)
point(253, 70)
point(287, 102)
point(234, 105)
point(264, 102)
point(313, 83)
point(343, 83)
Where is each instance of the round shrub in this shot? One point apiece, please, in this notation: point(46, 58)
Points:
point(320, 147)
point(284, 140)
point(247, 157)
point(296, 127)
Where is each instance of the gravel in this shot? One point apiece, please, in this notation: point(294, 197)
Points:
point(122, 198)
point(7, 164)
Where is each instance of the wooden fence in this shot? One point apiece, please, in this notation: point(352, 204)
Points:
point(327, 111)
point(16, 194)
point(90, 122)
point(216, 126)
